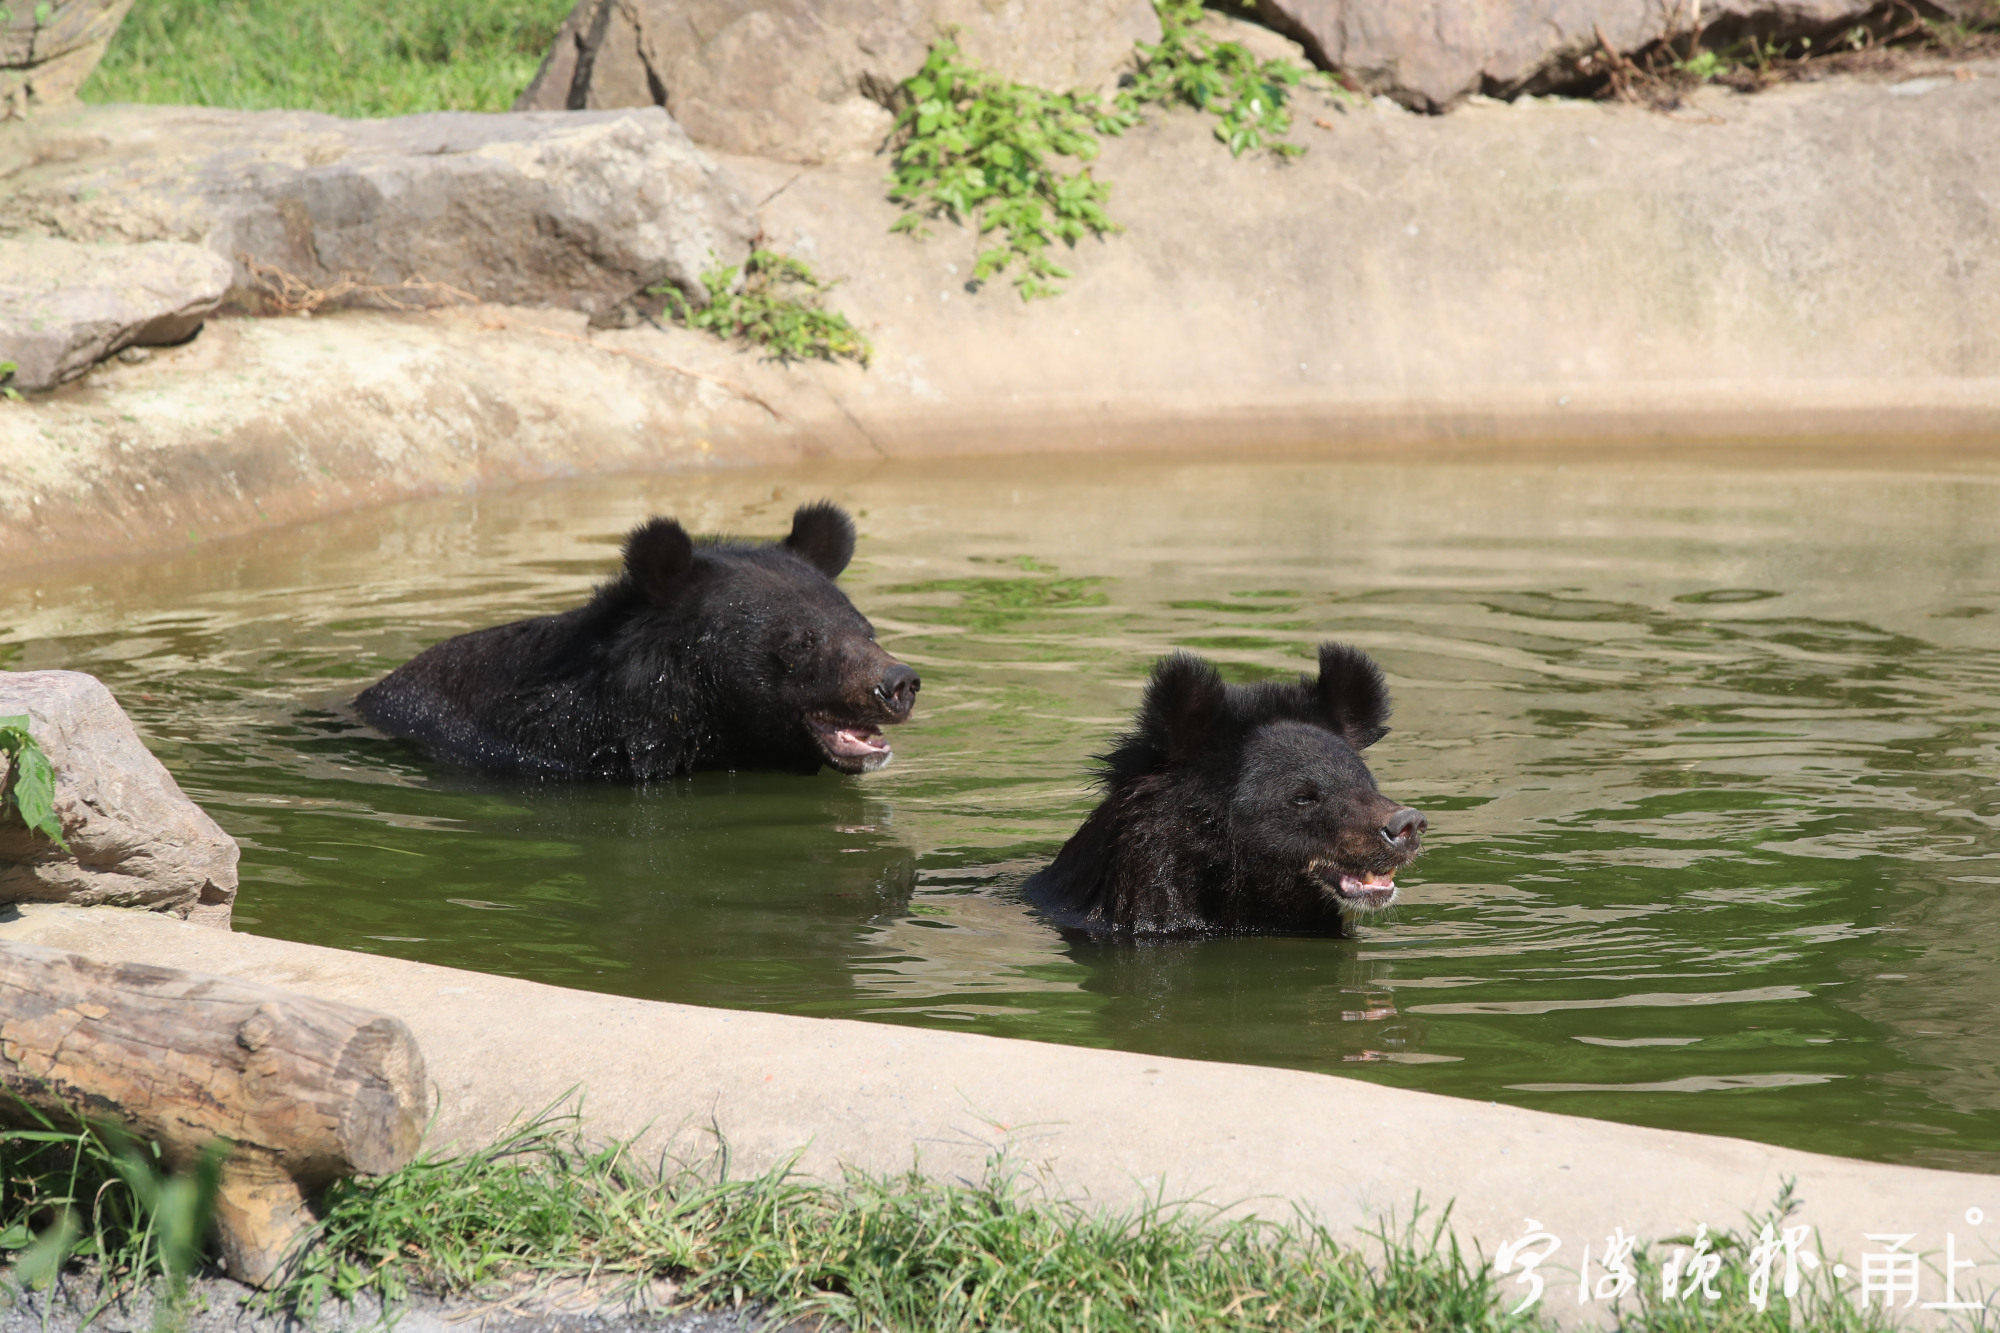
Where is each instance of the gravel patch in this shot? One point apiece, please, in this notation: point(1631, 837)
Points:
point(218, 1305)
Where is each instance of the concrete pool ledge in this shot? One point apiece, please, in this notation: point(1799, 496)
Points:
point(1111, 1127)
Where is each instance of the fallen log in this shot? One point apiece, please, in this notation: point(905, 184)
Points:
point(300, 1091)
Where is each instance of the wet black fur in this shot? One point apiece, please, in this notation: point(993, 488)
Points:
point(1205, 825)
point(700, 654)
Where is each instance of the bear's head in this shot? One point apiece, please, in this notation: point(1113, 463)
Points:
point(786, 669)
point(1277, 768)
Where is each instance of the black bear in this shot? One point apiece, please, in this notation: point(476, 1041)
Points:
point(706, 654)
point(1232, 808)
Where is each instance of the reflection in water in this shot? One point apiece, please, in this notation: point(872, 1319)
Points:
point(1708, 746)
point(747, 889)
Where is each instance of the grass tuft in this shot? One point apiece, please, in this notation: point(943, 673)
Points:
point(93, 1197)
point(896, 1253)
point(1816, 1302)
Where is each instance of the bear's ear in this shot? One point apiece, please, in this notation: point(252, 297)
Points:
point(824, 535)
point(658, 556)
point(1184, 703)
point(1353, 700)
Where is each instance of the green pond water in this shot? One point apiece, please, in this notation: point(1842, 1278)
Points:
point(1709, 744)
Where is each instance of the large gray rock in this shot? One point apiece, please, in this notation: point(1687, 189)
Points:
point(65, 306)
point(527, 209)
point(134, 839)
point(47, 51)
point(808, 80)
point(1429, 54)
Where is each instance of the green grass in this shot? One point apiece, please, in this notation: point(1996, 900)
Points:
point(93, 1197)
point(898, 1253)
point(349, 57)
point(867, 1252)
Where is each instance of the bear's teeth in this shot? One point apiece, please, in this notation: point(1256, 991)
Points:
point(859, 740)
point(1369, 892)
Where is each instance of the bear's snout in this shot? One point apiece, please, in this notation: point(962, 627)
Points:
point(1404, 830)
point(897, 690)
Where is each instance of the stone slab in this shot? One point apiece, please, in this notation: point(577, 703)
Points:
point(573, 210)
point(65, 306)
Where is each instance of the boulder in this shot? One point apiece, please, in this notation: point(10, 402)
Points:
point(48, 50)
point(811, 80)
point(65, 306)
point(525, 209)
point(134, 839)
point(1429, 54)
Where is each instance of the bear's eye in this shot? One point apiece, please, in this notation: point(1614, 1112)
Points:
point(1305, 796)
point(797, 649)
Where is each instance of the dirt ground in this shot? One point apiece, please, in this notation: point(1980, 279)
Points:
point(217, 1305)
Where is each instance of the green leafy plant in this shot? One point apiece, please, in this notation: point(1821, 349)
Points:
point(978, 149)
point(33, 788)
point(1702, 66)
point(1247, 96)
point(7, 390)
point(1012, 160)
point(774, 302)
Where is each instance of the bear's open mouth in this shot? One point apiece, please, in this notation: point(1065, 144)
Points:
point(851, 747)
point(1369, 891)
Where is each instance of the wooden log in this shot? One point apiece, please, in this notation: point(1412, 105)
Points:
point(300, 1090)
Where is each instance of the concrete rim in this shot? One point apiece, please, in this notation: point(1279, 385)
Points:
point(1110, 1128)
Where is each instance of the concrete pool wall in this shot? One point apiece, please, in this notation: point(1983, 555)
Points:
point(1110, 1127)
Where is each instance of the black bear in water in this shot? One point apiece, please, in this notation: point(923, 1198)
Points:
point(706, 654)
point(1239, 808)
